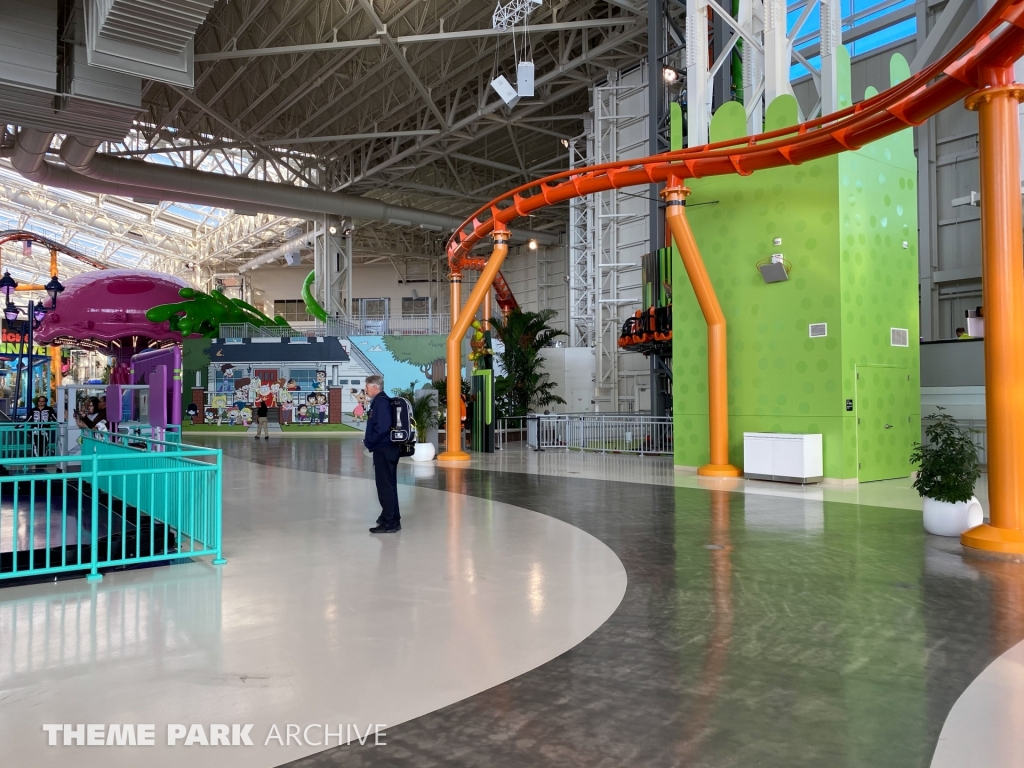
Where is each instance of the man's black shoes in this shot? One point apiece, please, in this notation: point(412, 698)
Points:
point(381, 528)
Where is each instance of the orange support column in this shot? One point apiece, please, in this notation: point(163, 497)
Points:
point(718, 393)
point(456, 309)
point(460, 324)
point(1002, 274)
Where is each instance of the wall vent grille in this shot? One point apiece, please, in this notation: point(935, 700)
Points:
point(817, 330)
point(899, 337)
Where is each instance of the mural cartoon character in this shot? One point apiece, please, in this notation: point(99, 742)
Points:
point(261, 394)
point(232, 416)
point(245, 415)
point(192, 411)
point(286, 404)
point(227, 383)
point(321, 407)
point(360, 410)
point(321, 382)
point(311, 409)
point(242, 392)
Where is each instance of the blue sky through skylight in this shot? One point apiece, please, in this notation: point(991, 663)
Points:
point(871, 9)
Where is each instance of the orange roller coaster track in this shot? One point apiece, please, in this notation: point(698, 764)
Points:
point(979, 69)
point(955, 76)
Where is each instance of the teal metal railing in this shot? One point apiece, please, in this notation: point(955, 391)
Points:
point(132, 500)
point(22, 439)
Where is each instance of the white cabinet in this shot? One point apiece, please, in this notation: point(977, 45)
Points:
point(782, 457)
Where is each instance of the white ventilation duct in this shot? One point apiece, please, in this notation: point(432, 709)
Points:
point(28, 157)
point(171, 181)
point(295, 245)
point(146, 38)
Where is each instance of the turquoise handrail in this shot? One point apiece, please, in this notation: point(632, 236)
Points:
point(132, 500)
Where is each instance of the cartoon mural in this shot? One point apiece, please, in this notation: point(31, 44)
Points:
point(295, 376)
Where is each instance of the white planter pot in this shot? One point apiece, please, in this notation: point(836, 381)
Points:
point(942, 518)
point(424, 452)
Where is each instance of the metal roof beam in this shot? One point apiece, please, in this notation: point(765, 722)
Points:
point(437, 37)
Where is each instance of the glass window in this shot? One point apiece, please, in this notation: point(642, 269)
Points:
point(292, 309)
point(372, 307)
point(416, 306)
point(305, 378)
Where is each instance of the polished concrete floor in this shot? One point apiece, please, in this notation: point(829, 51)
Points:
point(542, 610)
point(759, 627)
point(312, 620)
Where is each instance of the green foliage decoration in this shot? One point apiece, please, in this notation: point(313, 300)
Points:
point(204, 313)
point(948, 462)
point(525, 386)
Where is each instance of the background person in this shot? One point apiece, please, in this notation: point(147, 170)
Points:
point(261, 420)
point(385, 455)
point(92, 418)
point(42, 413)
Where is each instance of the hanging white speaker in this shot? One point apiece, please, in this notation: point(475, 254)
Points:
point(524, 78)
point(505, 90)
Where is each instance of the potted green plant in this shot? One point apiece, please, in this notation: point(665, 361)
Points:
point(948, 471)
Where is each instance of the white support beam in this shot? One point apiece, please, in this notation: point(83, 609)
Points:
point(751, 16)
point(698, 90)
point(778, 51)
point(831, 16)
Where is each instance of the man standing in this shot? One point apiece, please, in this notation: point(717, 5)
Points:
point(261, 420)
point(385, 455)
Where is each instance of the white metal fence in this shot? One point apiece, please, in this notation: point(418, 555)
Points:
point(605, 433)
point(509, 429)
point(402, 325)
point(407, 325)
point(248, 331)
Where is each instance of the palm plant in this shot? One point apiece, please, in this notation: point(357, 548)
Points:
point(525, 385)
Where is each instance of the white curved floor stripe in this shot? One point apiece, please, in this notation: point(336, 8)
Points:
point(985, 728)
point(313, 620)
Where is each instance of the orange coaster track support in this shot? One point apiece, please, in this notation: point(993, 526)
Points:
point(1003, 292)
point(718, 393)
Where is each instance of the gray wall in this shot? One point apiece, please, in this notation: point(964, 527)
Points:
point(959, 363)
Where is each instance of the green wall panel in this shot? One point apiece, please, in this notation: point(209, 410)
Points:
point(848, 226)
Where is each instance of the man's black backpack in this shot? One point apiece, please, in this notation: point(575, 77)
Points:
point(403, 431)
